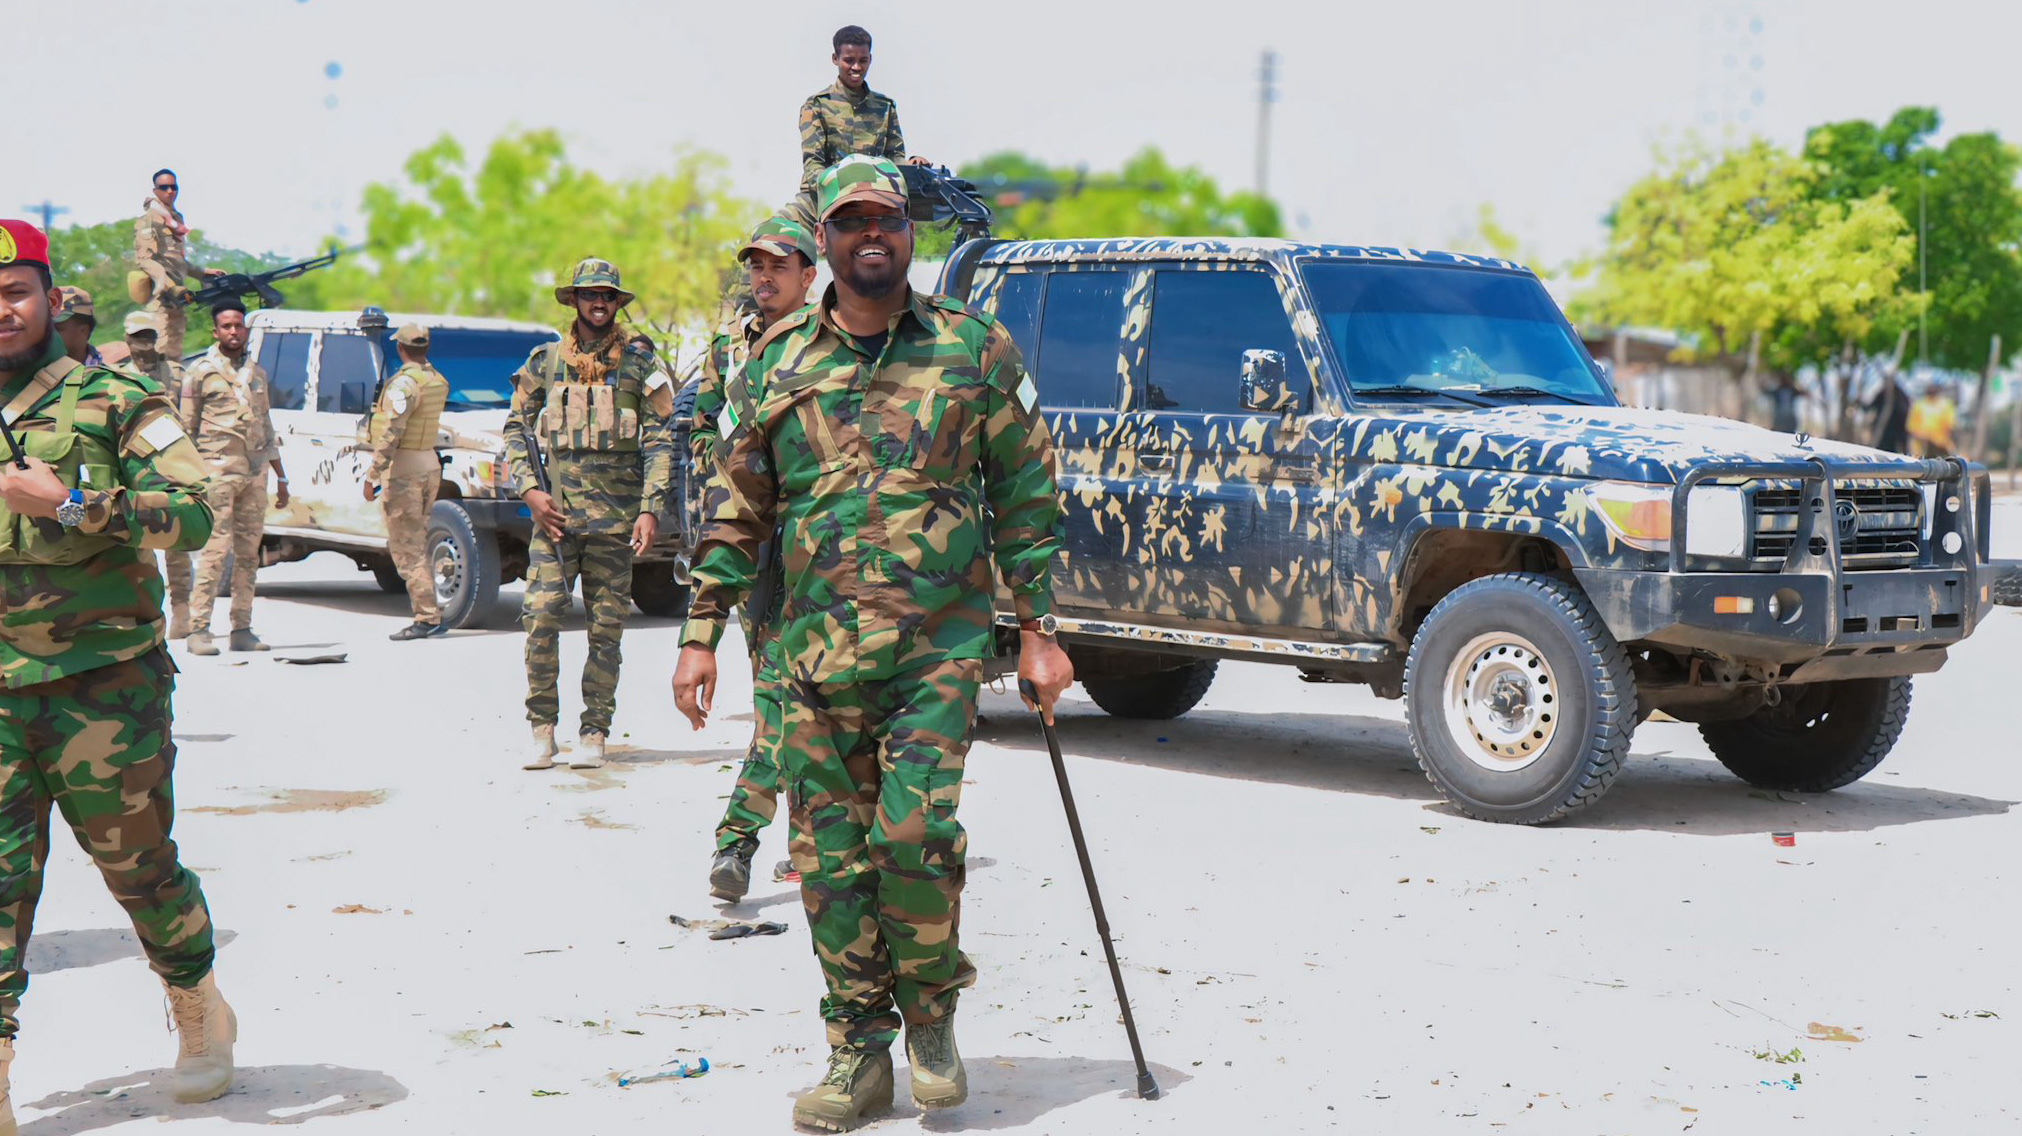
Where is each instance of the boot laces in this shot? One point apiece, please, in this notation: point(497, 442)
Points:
point(842, 1067)
point(931, 1045)
point(185, 1016)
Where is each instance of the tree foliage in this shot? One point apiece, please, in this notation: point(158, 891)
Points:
point(1971, 216)
point(1149, 196)
point(96, 258)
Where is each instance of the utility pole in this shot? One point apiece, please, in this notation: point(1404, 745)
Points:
point(1267, 93)
point(49, 211)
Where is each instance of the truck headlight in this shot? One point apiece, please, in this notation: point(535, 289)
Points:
point(1638, 515)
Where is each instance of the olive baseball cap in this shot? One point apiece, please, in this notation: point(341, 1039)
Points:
point(860, 177)
point(411, 335)
point(780, 237)
point(75, 302)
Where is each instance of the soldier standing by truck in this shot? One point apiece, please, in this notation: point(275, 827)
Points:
point(226, 410)
point(596, 408)
point(779, 267)
point(142, 344)
point(161, 262)
point(405, 473)
point(898, 445)
point(102, 474)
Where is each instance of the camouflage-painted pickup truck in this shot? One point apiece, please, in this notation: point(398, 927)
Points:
point(1402, 468)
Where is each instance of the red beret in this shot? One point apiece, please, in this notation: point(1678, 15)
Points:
point(22, 243)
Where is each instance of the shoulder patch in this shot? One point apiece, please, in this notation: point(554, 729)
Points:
point(163, 432)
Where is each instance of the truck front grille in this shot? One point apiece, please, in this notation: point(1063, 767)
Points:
point(1888, 524)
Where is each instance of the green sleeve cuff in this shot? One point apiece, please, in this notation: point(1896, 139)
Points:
point(1032, 605)
point(702, 633)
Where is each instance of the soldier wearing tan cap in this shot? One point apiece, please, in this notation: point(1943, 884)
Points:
point(76, 321)
point(405, 473)
point(143, 343)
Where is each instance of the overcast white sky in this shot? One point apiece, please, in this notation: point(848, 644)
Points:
point(1394, 120)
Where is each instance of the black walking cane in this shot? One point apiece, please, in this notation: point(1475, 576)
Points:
point(1147, 1088)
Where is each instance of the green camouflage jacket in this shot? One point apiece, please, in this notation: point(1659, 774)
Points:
point(607, 439)
point(728, 352)
point(71, 601)
point(893, 480)
point(839, 122)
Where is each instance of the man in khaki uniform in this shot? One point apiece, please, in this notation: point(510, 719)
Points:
point(225, 408)
point(405, 472)
point(161, 262)
point(144, 356)
point(76, 322)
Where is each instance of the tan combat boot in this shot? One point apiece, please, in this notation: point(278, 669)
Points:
point(589, 752)
point(858, 1085)
point(200, 643)
point(206, 1028)
point(6, 1088)
point(939, 1081)
point(179, 621)
point(544, 749)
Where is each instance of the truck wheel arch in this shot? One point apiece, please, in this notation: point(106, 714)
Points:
point(1440, 553)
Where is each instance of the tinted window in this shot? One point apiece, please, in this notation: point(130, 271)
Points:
point(1201, 323)
point(348, 375)
point(478, 364)
point(1468, 330)
point(1018, 311)
point(1079, 339)
point(286, 358)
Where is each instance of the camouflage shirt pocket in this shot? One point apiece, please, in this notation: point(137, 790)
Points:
point(944, 434)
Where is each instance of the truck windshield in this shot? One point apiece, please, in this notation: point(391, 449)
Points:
point(478, 364)
point(1478, 333)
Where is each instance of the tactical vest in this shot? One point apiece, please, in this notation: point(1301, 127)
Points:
point(425, 419)
point(590, 417)
point(80, 461)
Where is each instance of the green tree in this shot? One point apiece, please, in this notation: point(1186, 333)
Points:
point(495, 238)
point(1736, 251)
point(97, 258)
point(1149, 196)
point(1971, 217)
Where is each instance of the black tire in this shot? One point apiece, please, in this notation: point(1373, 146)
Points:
point(2006, 589)
point(1162, 694)
point(466, 567)
point(1821, 736)
point(388, 577)
point(1537, 648)
point(657, 592)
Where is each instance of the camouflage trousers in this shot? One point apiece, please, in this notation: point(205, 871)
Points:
point(406, 502)
point(173, 320)
point(754, 800)
point(97, 745)
point(240, 508)
point(604, 564)
point(176, 570)
point(874, 773)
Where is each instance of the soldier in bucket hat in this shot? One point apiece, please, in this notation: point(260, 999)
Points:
point(598, 408)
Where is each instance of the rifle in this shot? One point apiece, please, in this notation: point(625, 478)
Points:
point(536, 462)
point(233, 285)
point(934, 194)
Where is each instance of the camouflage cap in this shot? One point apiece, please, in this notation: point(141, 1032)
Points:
point(780, 237)
point(74, 302)
point(860, 177)
point(411, 335)
point(140, 320)
point(592, 272)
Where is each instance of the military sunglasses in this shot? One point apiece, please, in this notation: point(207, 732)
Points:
point(597, 295)
point(166, 185)
point(886, 222)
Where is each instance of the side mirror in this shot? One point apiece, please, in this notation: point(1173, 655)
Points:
point(1266, 390)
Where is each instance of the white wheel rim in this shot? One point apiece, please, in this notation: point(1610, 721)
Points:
point(1501, 701)
point(448, 568)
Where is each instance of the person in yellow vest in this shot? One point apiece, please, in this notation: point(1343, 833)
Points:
point(1932, 418)
point(405, 472)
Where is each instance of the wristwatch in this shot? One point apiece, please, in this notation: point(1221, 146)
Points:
point(1045, 625)
point(70, 514)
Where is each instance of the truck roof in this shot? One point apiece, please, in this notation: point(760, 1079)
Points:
point(1219, 248)
point(348, 321)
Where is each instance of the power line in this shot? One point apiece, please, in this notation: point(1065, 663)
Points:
point(1267, 93)
point(49, 211)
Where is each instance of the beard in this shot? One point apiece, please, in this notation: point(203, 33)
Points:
point(870, 282)
point(32, 354)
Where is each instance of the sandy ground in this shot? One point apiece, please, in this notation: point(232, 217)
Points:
point(423, 938)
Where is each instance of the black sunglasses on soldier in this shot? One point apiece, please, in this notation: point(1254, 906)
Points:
point(888, 222)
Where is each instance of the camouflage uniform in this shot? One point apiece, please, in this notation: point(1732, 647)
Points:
point(168, 374)
point(405, 467)
point(225, 409)
point(834, 124)
point(601, 411)
point(85, 713)
point(895, 477)
point(76, 303)
point(161, 255)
